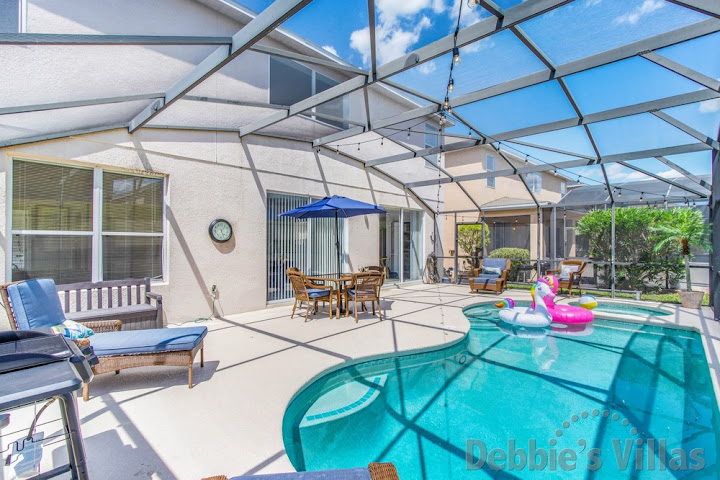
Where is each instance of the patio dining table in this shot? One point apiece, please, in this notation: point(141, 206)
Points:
point(340, 282)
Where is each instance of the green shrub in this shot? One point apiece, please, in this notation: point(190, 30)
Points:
point(469, 238)
point(518, 256)
point(635, 240)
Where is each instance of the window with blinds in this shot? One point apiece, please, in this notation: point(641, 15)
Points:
point(58, 232)
point(306, 244)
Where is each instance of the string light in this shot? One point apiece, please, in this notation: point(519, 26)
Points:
point(473, 3)
point(693, 203)
point(446, 103)
point(358, 147)
point(382, 141)
point(442, 119)
point(408, 133)
point(456, 55)
point(641, 195)
point(526, 159)
point(451, 85)
point(619, 193)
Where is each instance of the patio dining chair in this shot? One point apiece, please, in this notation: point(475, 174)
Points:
point(307, 291)
point(365, 287)
point(569, 274)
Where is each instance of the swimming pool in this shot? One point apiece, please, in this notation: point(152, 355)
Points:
point(607, 396)
point(627, 309)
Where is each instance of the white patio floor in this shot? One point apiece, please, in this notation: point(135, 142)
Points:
point(146, 423)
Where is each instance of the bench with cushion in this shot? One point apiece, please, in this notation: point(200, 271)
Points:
point(126, 300)
point(490, 275)
point(32, 304)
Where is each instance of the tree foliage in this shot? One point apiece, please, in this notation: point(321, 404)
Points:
point(470, 238)
point(518, 256)
point(639, 264)
point(687, 229)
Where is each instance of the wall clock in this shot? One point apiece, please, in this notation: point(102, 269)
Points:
point(220, 230)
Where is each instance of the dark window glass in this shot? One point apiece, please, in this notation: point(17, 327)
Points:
point(51, 197)
point(290, 82)
point(131, 257)
point(64, 258)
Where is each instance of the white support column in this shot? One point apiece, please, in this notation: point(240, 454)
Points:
point(97, 267)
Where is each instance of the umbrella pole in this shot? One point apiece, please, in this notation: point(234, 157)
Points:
point(337, 243)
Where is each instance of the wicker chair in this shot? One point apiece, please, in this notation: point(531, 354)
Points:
point(569, 274)
point(365, 288)
point(377, 471)
point(306, 291)
point(493, 282)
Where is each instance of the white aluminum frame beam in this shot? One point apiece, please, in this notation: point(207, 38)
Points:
point(687, 174)
point(621, 157)
point(708, 7)
point(426, 151)
point(665, 180)
point(256, 29)
point(682, 70)
point(515, 15)
point(687, 129)
point(83, 39)
point(78, 103)
point(620, 53)
point(629, 110)
point(64, 134)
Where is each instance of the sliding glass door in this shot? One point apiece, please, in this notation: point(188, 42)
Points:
point(306, 244)
point(401, 244)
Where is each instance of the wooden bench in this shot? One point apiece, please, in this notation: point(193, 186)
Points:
point(126, 300)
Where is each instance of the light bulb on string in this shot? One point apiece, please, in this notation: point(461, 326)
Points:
point(526, 159)
point(446, 103)
point(619, 193)
point(382, 141)
point(472, 3)
point(358, 147)
point(408, 133)
point(442, 119)
point(641, 195)
point(451, 85)
point(456, 55)
point(693, 203)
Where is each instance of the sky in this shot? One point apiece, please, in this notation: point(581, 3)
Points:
point(571, 32)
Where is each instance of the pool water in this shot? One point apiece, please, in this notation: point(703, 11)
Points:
point(623, 400)
point(625, 309)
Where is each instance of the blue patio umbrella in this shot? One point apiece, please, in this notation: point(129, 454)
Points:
point(335, 206)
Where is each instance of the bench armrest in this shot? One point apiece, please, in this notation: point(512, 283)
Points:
point(557, 270)
point(154, 296)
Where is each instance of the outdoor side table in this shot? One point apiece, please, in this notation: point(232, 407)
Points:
point(58, 380)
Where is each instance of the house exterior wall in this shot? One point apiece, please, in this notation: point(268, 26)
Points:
point(474, 160)
point(216, 175)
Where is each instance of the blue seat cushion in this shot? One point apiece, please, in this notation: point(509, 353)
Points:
point(134, 342)
point(495, 263)
point(36, 304)
point(317, 292)
point(486, 277)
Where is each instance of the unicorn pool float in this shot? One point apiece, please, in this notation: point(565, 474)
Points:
point(543, 310)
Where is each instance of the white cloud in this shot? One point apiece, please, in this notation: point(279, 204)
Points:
point(647, 7)
point(710, 106)
point(483, 44)
point(618, 174)
point(330, 49)
point(392, 38)
point(670, 174)
point(427, 68)
point(469, 17)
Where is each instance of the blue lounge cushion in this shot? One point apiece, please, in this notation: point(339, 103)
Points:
point(486, 278)
point(35, 303)
point(134, 342)
point(317, 292)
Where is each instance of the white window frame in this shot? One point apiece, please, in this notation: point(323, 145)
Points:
point(400, 241)
point(533, 184)
point(490, 180)
point(432, 131)
point(563, 187)
point(97, 233)
point(313, 90)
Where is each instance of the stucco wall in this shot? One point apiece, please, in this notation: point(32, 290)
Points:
point(213, 175)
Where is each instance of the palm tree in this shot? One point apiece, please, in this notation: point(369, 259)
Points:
point(689, 229)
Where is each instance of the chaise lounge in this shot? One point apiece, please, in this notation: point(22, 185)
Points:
point(33, 304)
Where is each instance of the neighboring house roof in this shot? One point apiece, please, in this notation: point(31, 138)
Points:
point(651, 190)
point(507, 202)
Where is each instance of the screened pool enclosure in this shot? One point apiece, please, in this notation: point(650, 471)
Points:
point(621, 98)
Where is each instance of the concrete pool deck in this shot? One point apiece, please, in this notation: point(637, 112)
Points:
point(146, 423)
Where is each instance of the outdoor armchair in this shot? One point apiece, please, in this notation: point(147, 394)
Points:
point(365, 287)
point(490, 275)
point(569, 274)
point(307, 291)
